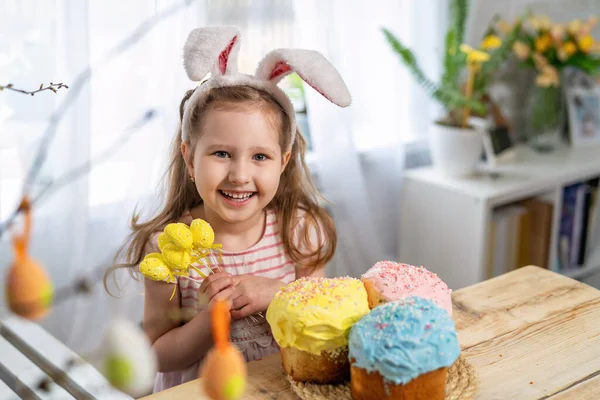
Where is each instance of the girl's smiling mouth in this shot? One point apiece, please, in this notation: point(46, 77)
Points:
point(236, 198)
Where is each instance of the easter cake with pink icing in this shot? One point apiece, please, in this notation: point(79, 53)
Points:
point(388, 281)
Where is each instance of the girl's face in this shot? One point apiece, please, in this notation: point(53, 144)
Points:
point(236, 164)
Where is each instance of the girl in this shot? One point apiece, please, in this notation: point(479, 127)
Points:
point(238, 163)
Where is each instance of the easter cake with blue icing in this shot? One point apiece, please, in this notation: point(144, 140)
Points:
point(402, 350)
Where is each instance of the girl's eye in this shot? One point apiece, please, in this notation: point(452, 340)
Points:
point(260, 157)
point(221, 154)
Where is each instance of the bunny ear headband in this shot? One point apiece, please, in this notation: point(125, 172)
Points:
point(215, 50)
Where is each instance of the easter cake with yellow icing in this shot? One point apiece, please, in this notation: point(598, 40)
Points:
point(311, 319)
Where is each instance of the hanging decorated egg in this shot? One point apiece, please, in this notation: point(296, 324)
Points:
point(129, 362)
point(29, 292)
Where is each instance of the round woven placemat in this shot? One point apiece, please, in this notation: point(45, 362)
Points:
point(461, 384)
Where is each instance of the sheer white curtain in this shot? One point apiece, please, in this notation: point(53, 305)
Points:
point(360, 150)
point(77, 229)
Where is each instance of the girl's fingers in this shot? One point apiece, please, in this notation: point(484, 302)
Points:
point(239, 302)
point(217, 286)
point(212, 278)
point(248, 309)
point(224, 295)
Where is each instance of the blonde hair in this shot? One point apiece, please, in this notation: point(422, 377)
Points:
point(296, 193)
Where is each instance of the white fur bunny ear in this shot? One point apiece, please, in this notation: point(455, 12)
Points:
point(213, 49)
point(311, 66)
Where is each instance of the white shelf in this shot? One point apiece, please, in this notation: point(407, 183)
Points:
point(530, 174)
point(444, 222)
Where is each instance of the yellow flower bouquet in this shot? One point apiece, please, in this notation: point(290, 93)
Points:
point(549, 47)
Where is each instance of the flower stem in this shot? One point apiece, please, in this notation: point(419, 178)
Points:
point(468, 93)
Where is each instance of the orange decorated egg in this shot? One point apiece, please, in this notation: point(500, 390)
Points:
point(224, 370)
point(224, 374)
point(29, 291)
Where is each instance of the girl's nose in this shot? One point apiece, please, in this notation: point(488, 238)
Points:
point(239, 173)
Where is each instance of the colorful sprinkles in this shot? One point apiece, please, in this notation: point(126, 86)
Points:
point(402, 278)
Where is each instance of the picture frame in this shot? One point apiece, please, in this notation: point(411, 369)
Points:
point(581, 93)
point(499, 146)
point(583, 109)
point(498, 143)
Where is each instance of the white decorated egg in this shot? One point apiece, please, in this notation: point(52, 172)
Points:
point(129, 362)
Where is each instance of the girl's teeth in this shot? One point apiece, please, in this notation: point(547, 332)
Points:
point(238, 196)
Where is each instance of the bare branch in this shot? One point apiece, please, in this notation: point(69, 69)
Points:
point(52, 87)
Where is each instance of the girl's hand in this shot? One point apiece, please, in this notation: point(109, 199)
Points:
point(217, 286)
point(253, 294)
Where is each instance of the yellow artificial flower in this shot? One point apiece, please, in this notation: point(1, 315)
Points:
point(543, 43)
point(474, 56)
point(539, 60)
point(567, 50)
point(588, 26)
point(545, 23)
point(534, 22)
point(541, 23)
point(547, 77)
point(574, 27)
point(570, 48)
point(521, 49)
point(585, 43)
point(504, 27)
point(491, 42)
point(557, 32)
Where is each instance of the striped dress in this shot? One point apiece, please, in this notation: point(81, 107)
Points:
point(252, 335)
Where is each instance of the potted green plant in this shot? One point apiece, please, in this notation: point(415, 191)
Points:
point(455, 140)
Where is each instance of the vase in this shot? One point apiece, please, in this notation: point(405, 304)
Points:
point(544, 118)
point(455, 152)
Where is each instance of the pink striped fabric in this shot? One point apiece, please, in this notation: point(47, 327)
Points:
point(267, 258)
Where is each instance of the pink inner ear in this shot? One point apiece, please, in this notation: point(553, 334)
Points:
point(316, 88)
point(280, 68)
point(224, 56)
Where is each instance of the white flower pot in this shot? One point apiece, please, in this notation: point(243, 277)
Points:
point(455, 152)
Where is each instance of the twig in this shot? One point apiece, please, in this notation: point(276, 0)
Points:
point(53, 87)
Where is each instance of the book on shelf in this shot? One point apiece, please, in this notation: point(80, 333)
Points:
point(521, 232)
point(578, 225)
point(520, 235)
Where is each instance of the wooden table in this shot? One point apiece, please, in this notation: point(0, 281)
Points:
point(530, 334)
